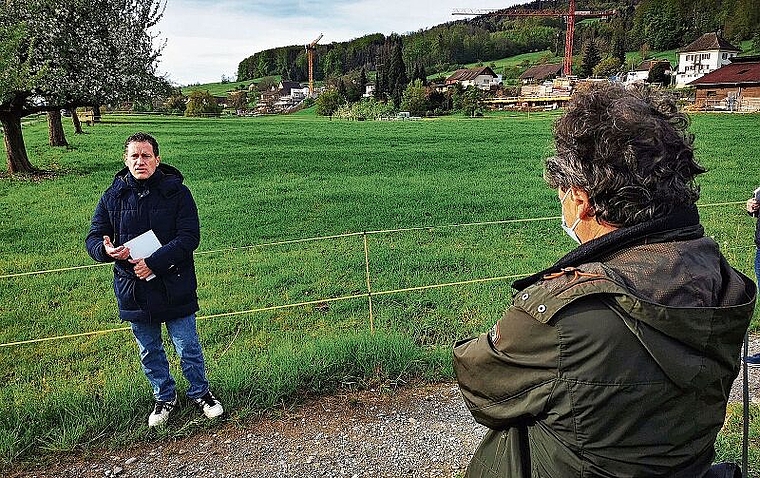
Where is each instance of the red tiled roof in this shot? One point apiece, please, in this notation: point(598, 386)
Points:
point(709, 41)
point(737, 72)
point(541, 72)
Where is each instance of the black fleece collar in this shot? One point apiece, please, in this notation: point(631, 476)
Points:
point(678, 226)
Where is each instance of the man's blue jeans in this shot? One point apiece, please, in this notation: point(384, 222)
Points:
point(757, 264)
point(153, 357)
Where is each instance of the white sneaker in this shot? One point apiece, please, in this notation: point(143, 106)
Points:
point(161, 412)
point(211, 407)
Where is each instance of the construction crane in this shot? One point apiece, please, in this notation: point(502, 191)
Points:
point(569, 15)
point(310, 55)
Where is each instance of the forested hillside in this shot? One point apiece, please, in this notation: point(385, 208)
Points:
point(638, 25)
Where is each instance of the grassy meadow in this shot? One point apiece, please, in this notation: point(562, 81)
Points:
point(289, 206)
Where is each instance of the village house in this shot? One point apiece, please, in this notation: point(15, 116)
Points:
point(705, 54)
point(734, 87)
point(541, 73)
point(481, 77)
point(538, 80)
point(640, 74)
point(292, 89)
point(286, 96)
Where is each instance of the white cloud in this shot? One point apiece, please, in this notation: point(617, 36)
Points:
point(207, 39)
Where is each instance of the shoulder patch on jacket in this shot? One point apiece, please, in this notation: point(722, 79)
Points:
point(548, 296)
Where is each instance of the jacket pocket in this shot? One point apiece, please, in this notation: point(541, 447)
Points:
point(124, 288)
point(180, 284)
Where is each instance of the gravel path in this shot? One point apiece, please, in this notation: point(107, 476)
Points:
point(421, 431)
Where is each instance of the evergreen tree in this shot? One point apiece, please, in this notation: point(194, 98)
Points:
point(363, 81)
point(382, 88)
point(379, 83)
point(419, 74)
point(618, 48)
point(341, 86)
point(397, 79)
point(591, 57)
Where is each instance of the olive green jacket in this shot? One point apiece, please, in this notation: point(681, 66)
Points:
point(619, 367)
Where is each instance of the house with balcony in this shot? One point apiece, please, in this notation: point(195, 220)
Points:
point(702, 56)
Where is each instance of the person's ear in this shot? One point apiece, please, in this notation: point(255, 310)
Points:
point(583, 203)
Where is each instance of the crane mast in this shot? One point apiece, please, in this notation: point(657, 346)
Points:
point(310, 57)
point(570, 14)
point(569, 34)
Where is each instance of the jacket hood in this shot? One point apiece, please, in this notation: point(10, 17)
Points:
point(689, 312)
point(166, 179)
point(166, 169)
point(671, 286)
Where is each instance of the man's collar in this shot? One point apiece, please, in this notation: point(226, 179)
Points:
point(679, 225)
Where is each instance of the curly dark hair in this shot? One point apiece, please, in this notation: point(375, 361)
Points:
point(142, 138)
point(629, 149)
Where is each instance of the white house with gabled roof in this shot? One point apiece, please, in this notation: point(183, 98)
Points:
point(705, 54)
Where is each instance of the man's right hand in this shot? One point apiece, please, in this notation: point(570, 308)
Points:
point(120, 253)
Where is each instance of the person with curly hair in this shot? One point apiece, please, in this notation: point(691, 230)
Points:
point(618, 359)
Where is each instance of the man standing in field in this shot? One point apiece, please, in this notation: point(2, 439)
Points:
point(159, 287)
point(617, 360)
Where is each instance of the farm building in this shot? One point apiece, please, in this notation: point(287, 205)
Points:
point(705, 54)
point(640, 74)
point(540, 73)
point(482, 77)
point(284, 97)
point(734, 87)
point(291, 88)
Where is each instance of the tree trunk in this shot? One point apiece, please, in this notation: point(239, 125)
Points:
point(76, 122)
point(96, 114)
point(18, 161)
point(56, 136)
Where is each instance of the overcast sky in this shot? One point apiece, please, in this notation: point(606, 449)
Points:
point(207, 39)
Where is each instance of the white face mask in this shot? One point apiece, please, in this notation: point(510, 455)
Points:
point(570, 230)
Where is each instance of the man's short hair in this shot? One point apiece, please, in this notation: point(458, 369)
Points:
point(629, 150)
point(142, 138)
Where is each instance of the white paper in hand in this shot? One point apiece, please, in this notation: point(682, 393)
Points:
point(143, 246)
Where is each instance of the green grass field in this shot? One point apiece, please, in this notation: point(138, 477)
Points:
point(263, 187)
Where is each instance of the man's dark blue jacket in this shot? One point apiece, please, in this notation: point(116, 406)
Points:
point(129, 208)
